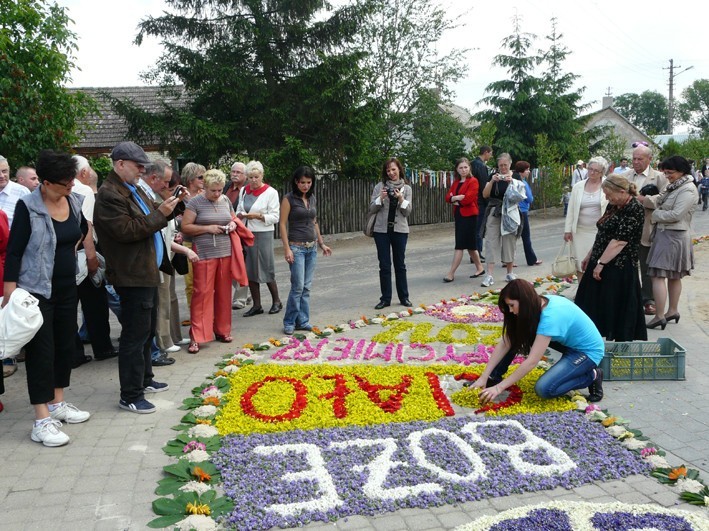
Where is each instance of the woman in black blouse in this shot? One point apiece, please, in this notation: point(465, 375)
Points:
point(41, 258)
point(609, 291)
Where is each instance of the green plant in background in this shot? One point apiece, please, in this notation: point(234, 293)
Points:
point(102, 166)
point(36, 111)
point(612, 147)
point(551, 171)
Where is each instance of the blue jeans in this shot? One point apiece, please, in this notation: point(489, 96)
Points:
point(301, 278)
point(138, 318)
point(573, 371)
point(392, 244)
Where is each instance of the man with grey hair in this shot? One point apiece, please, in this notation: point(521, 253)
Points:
point(128, 224)
point(232, 189)
point(94, 300)
point(10, 191)
point(27, 177)
point(642, 175)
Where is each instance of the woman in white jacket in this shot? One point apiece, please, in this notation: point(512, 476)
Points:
point(586, 205)
point(259, 209)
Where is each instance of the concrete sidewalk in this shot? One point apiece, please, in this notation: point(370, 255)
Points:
point(105, 478)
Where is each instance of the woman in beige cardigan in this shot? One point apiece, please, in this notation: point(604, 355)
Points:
point(586, 205)
point(671, 255)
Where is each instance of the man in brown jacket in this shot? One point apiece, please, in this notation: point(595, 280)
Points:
point(128, 225)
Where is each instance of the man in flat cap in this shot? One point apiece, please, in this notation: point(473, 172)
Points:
point(128, 225)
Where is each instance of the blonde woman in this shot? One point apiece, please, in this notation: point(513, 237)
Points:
point(260, 211)
point(208, 220)
point(587, 204)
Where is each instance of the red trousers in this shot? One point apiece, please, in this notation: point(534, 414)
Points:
point(210, 310)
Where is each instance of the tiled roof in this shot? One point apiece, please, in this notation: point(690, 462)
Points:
point(106, 128)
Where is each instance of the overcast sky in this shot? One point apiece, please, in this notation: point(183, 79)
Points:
point(621, 44)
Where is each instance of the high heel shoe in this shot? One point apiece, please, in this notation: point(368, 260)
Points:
point(662, 323)
point(673, 317)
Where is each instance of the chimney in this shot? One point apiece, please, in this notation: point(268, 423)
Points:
point(607, 102)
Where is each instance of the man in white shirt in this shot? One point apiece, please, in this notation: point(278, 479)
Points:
point(10, 191)
point(94, 300)
point(579, 174)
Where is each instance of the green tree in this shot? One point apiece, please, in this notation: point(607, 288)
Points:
point(694, 107)
point(269, 79)
point(524, 104)
point(36, 112)
point(695, 149)
point(403, 64)
point(437, 137)
point(515, 108)
point(551, 171)
point(612, 147)
point(647, 110)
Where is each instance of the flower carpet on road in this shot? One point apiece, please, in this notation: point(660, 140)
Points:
point(372, 416)
point(581, 516)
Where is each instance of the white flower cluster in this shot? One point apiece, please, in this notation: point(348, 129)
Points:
point(392, 316)
point(197, 522)
point(359, 323)
point(418, 309)
point(202, 430)
point(657, 461)
point(688, 485)
point(230, 369)
point(196, 456)
point(204, 411)
point(195, 486)
point(377, 320)
point(212, 391)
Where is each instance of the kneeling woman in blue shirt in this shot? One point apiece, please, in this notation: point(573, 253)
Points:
point(531, 324)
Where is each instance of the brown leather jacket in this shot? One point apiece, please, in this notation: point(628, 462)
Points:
point(125, 235)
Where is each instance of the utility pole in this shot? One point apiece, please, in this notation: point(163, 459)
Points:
point(671, 100)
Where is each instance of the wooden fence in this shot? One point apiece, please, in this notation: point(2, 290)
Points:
point(343, 204)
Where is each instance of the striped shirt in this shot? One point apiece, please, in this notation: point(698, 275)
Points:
point(9, 196)
point(208, 212)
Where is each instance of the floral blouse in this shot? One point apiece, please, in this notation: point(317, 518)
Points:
point(624, 224)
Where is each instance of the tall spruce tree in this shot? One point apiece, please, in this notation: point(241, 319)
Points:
point(260, 77)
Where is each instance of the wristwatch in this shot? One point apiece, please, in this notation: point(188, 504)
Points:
point(600, 263)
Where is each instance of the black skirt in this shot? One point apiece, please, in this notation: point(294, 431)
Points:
point(614, 303)
point(466, 231)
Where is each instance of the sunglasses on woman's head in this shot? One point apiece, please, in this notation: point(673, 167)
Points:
point(640, 143)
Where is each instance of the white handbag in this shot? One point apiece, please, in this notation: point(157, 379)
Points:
point(19, 322)
point(564, 264)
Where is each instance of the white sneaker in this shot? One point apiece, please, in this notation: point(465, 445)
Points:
point(510, 277)
point(183, 341)
point(49, 434)
point(487, 281)
point(238, 305)
point(70, 414)
point(173, 348)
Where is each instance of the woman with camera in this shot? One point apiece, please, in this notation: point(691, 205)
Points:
point(500, 239)
point(208, 220)
point(391, 200)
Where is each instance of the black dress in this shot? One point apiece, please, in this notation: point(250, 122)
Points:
point(614, 303)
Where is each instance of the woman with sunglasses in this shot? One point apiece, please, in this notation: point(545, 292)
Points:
point(41, 258)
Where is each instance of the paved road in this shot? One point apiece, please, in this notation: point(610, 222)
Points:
point(105, 478)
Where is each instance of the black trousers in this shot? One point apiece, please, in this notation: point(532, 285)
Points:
point(138, 318)
point(49, 355)
point(94, 303)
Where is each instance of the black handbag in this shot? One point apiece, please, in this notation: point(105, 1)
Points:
point(179, 262)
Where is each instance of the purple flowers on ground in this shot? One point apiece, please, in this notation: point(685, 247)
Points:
point(621, 521)
point(537, 520)
point(454, 468)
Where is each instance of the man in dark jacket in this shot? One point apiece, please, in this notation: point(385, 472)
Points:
point(480, 171)
point(128, 225)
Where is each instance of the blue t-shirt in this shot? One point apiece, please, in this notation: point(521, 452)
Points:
point(567, 324)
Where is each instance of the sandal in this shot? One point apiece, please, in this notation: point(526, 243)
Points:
point(193, 348)
point(538, 262)
point(224, 339)
point(446, 279)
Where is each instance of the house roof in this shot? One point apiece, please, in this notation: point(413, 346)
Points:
point(103, 130)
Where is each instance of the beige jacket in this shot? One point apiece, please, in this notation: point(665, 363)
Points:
point(572, 214)
point(677, 210)
point(381, 207)
point(649, 176)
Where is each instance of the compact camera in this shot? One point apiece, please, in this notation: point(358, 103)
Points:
point(391, 193)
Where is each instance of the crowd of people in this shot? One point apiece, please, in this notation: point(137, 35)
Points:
point(629, 233)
